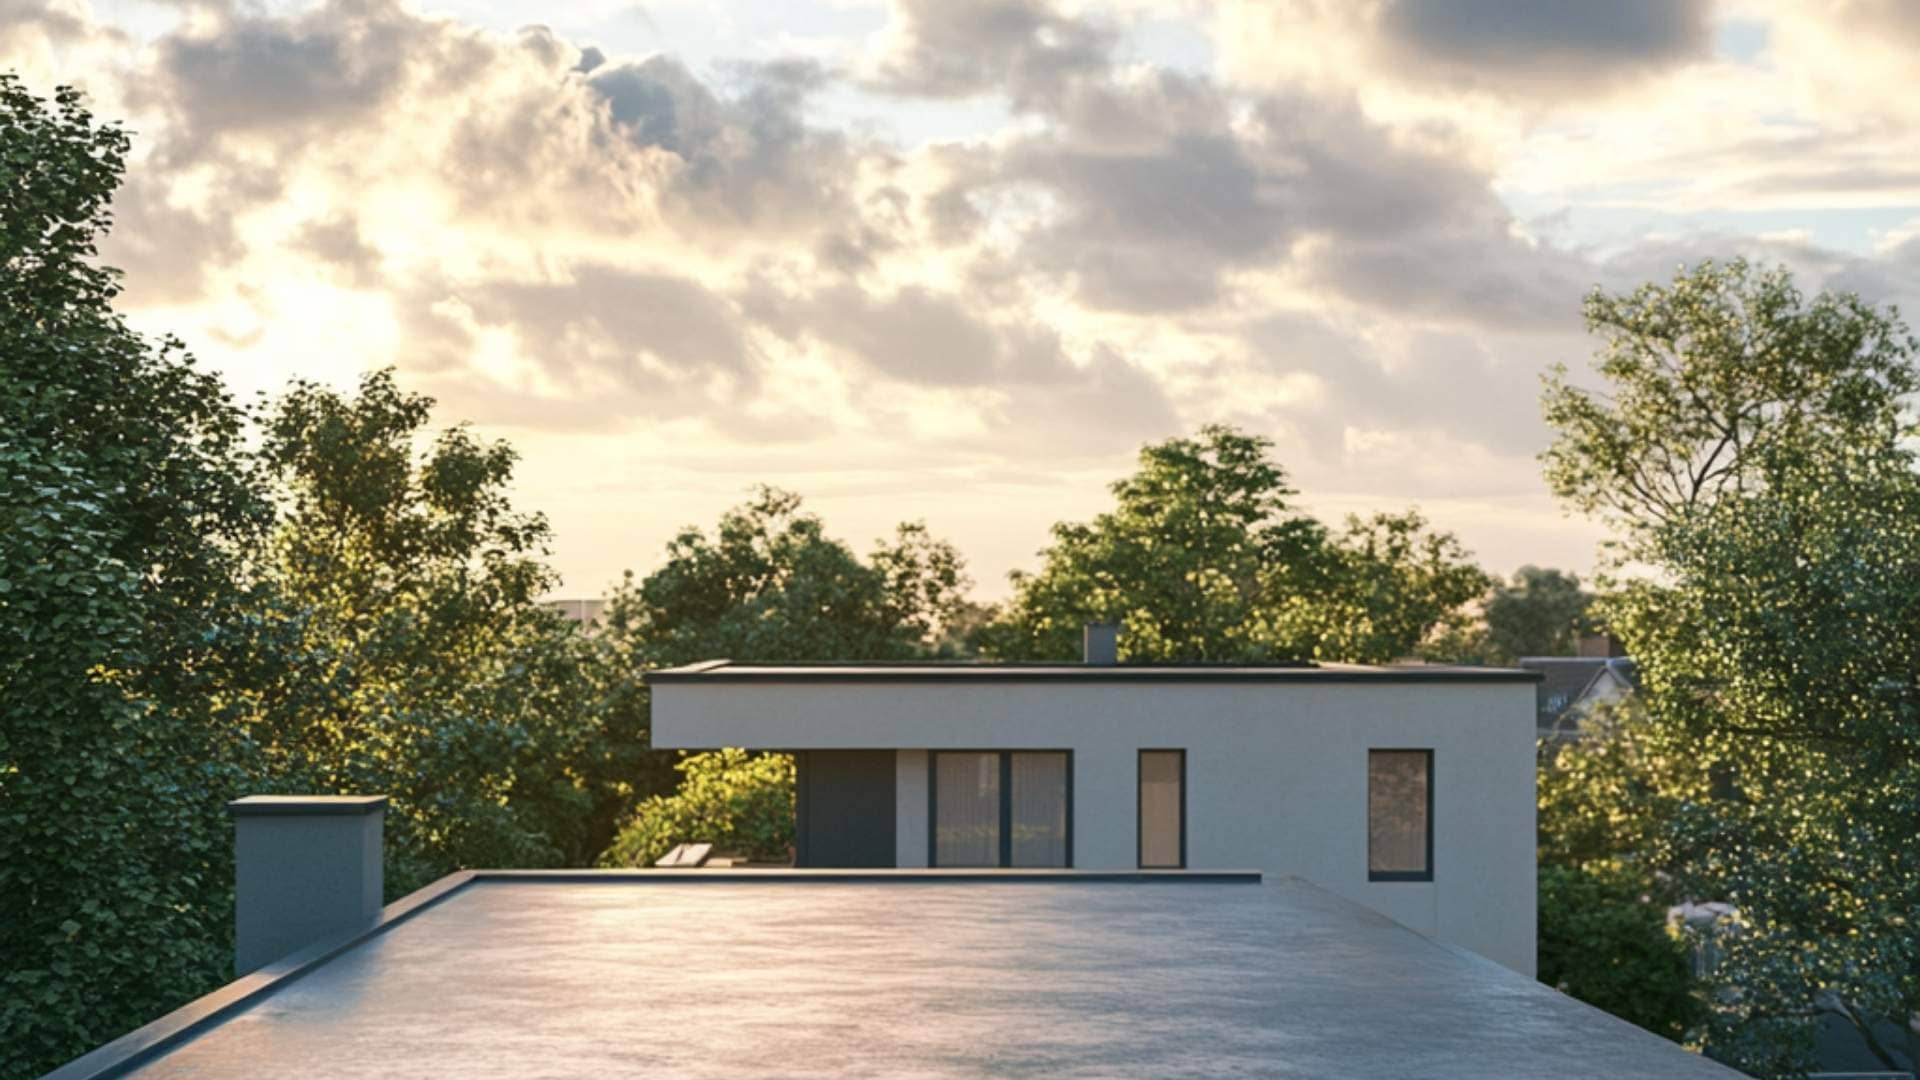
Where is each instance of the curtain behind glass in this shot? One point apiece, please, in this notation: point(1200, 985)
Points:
point(1160, 807)
point(1040, 809)
point(966, 830)
point(1397, 811)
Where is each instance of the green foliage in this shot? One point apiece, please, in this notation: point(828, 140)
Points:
point(1606, 799)
point(770, 585)
point(1605, 941)
point(1540, 613)
point(1710, 378)
point(1753, 448)
point(408, 653)
point(734, 800)
point(1203, 558)
point(123, 502)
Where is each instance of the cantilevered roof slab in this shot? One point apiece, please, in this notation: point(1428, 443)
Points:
point(661, 977)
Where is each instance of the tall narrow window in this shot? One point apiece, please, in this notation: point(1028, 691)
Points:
point(966, 815)
point(1001, 808)
point(1163, 809)
point(1399, 815)
point(1039, 809)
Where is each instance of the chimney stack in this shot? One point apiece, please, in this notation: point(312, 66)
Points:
point(306, 867)
point(1101, 643)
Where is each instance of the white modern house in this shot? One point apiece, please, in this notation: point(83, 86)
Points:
point(1409, 789)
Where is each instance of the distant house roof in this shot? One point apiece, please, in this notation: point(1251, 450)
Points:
point(728, 974)
point(1568, 682)
point(717, 671)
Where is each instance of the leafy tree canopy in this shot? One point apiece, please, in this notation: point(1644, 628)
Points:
point(1714, 381)
point(124, 502)
point(770, 585)
point(1606, 942)
point(1203, 557)
point(1752, 447)
point(1540, 612)
point(406, 650)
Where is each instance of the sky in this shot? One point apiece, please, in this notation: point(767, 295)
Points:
point(925, 259)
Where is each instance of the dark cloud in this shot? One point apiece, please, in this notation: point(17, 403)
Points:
point(749, 155)
point(1156, 196)
point(1563, 46)
point(251, 74)
point(1023, 48)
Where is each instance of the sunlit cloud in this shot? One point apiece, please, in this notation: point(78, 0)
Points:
point(957, 261)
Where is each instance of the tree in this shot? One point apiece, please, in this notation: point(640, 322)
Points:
point(1710, 379)
point(1204, 558)
point(1754, 448)
point(406, 651)
point(770, 585)
point(1541, 613)
point(125, 510)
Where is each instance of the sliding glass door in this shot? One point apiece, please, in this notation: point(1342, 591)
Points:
point(1001, 808)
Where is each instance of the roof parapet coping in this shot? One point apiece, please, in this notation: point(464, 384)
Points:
point(279, 805)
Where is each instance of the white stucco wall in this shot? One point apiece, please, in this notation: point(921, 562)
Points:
point(1276, 773)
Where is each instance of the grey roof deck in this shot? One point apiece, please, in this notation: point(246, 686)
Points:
point(550, 978)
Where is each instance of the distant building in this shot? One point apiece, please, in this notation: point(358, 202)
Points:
point(1570, 686)
point(584, 612)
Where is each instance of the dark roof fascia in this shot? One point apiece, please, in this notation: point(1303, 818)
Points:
point(144, 1044)
point(1121, 673)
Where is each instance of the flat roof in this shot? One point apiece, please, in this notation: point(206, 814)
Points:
point(726, 976)
point(726, 671)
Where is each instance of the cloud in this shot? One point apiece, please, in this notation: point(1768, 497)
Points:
point(1023, 48)
point(254, 73)
point(648, 330)
point(1530, 57)
point(750, 157)
point(1558, 47)
point(167, 251)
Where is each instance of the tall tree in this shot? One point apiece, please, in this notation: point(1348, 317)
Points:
point(408, 652)
point(1754, 448)
point(1204, 557)
point(125, 506)
point(769, 585)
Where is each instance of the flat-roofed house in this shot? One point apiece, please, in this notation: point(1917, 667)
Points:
point(1409, 789)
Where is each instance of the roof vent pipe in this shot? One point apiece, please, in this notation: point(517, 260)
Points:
point(1101, 644)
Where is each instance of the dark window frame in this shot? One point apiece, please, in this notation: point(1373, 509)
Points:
point(1006, 803)
point(1400, 875)
point(1140, 810)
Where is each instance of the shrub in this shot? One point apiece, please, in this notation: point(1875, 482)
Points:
point(1604, 941)
point(734, 800)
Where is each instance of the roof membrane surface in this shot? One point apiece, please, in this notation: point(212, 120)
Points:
point(552, 979)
